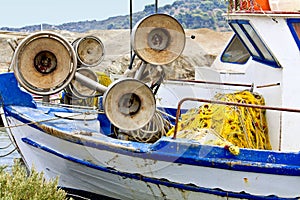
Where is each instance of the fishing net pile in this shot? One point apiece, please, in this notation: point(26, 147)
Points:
point(243, 127)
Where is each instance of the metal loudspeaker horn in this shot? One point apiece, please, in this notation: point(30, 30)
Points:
point(158, 39)
point(89, 51)
point(129, 104)
point(44, 63)
point(78, 89)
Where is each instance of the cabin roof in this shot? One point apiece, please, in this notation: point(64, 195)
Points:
point(263, 14)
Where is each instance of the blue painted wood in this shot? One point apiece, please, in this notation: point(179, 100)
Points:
point(11, 93)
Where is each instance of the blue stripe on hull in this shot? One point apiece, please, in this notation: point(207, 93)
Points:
point(140, 177)
point(169, 150)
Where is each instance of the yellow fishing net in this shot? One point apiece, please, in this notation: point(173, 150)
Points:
point(231, 125)
point(104, 79)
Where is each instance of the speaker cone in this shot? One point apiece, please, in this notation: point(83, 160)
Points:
point(44, 63)
point(158, 39)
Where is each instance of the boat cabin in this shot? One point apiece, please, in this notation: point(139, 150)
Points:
point(263, 56)
point(264, 51)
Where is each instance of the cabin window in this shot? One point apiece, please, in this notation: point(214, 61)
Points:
point(235, 52)
point(258, 42)
point(253, 42)
point(245, 40)
point(294, 25)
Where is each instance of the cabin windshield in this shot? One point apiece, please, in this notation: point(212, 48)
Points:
point(294, 25)
point(253, 43)
point(235, 52)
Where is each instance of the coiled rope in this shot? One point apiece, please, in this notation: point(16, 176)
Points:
point(151, 132)
point(7, 154)
point(6, 147)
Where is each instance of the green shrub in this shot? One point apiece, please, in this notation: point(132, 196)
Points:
point(18, 184)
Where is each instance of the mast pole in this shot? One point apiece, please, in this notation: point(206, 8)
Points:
point(130, 22)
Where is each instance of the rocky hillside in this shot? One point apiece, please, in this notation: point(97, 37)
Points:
point(200, 51)
point(192, 14)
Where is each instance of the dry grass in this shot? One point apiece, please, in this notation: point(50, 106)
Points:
point(18, 184)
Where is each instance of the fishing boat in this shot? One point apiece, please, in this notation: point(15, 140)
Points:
point(232, 133)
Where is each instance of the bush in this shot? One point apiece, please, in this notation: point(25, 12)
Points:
point(18, 184)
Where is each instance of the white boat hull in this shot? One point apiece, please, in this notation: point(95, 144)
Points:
point(133, 176)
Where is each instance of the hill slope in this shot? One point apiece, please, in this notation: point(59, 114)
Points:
point(192, 14)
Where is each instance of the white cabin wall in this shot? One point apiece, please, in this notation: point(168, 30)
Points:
point(286, 51)
point(277, 37)
point(171, 92)
point(291, 99)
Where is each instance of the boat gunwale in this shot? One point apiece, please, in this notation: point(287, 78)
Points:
point(181, 151)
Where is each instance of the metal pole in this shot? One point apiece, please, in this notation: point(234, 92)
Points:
point(156, 6)
point(130, 21)
point(213, 83)
point(90, 83)
point(139, 73)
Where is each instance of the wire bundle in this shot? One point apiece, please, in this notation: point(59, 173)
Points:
point(151, 132)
